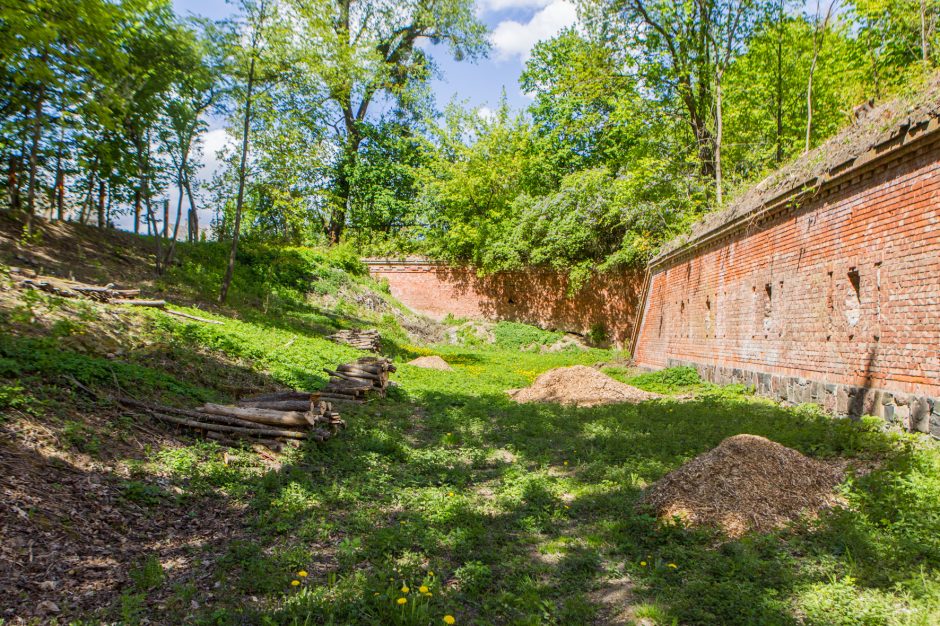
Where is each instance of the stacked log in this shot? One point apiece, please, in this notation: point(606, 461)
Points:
point(269, 419)
point(351, 382)
point(368, 339)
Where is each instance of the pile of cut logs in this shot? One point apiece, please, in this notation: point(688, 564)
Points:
point(368, 339)
point(268, 419)
point(110, 293)
point(351, 381)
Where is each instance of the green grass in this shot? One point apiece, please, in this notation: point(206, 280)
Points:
point(522, 512)
point(506, 513)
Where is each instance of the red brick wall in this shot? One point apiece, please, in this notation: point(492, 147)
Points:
point(844, 289)
point(535, 297)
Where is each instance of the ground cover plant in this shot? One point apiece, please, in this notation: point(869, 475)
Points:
point(445, 500)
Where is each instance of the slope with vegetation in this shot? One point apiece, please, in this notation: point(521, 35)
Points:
point(447, 498)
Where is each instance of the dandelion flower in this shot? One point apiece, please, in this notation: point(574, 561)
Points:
point(673, 565)
point(423, 589)
point(566, 462)
point(302, 573)
point(449, 619)
point(431, 574)
point(402, 601)
point(642, 563)
point(294, 583)
point(405, 589)
point(451, 494)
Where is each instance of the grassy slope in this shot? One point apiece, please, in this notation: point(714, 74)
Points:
point(507, 513)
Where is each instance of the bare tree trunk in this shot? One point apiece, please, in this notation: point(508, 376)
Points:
point(246, 129)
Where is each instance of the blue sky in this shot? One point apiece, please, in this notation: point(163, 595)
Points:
point(515, 25)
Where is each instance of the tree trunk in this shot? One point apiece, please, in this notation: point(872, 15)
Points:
point(101, 199)
point(59, 193)
point(176, 228)
point(34, 148)
point(240, 199)
point(818, 37)
point(13, 180)
point(193, 215)
point(778, 157)
point(923, 32)
point(718, 138)
point(342, 186)
point(166, 218)
point(137, 209)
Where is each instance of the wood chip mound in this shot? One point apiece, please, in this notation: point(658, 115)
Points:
point(746, 483)
point(431, 363)
point(581, 386)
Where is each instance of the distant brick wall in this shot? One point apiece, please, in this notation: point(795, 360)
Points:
point(834, 300)
point(534, 297)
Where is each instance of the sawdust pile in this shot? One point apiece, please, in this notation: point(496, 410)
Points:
point(431, 363)
point(579, 385)
point(745, 483)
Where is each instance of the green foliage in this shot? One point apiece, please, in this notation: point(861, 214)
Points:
point(670, 380)
point(14, 396)
point(515, 336)
point(79, 436)
point(148, 575)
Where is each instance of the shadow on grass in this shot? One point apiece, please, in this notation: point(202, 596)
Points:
point(523, 510)
point(389, 480)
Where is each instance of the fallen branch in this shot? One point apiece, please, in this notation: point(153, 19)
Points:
point(189, 317)
point(159, 304)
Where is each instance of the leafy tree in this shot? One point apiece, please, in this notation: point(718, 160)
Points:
point(364, 51)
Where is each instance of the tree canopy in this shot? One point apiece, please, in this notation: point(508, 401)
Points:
point(643, 117)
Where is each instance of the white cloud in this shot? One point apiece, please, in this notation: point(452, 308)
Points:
point(515, 39)
point(495, 6)
point(212, 142)
point(486, 113)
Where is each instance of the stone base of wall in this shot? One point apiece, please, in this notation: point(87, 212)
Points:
point(912, 412)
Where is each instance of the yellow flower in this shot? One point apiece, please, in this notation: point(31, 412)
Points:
point(449, 619)
point(451, 494)
point(302, 573)
point(673, 565)
point(402, 600)
point(642, 563)
point(294, 583)
point(566, 462)
point(423, 589)
point(405, 589)
point(431, 574)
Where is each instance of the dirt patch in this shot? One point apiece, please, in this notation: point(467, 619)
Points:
point(579, 385)
point(431, 363)
point(745, 483)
